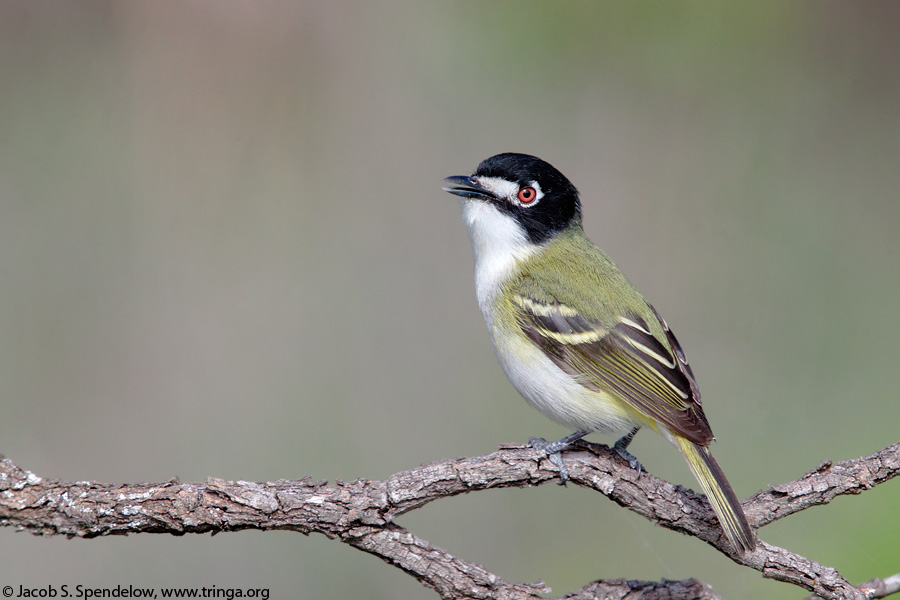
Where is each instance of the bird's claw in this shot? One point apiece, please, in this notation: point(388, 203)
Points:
point(628, 456)
point(554, 453)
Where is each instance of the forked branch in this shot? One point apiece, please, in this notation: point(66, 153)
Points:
point(362, 513)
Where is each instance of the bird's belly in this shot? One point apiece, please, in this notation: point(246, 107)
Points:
point(556, 394)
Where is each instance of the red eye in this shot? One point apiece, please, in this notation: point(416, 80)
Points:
point(527, 195)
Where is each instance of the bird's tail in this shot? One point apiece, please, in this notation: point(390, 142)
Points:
point(722, 498)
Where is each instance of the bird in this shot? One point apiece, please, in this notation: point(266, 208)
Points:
point(574, 336)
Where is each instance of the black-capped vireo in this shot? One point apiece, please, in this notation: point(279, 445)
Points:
point(574, 336)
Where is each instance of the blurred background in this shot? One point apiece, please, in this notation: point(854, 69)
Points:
point(224, 251)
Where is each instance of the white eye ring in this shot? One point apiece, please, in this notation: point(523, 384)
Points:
point(503, 188)
point(527, 195)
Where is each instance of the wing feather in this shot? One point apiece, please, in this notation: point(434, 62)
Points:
point(627, 359)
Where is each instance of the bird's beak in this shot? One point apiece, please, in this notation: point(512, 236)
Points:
point(467, 187)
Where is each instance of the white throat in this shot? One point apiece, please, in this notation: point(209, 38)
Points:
point(500, 244)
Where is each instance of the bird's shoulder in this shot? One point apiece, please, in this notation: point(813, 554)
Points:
point(578, 276)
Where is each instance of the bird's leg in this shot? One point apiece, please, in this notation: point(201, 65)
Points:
point(554, 450)
point(621, 447)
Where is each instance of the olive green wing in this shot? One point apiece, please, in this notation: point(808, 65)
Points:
point(624, 358)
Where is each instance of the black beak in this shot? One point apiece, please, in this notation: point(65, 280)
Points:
point(467, 187)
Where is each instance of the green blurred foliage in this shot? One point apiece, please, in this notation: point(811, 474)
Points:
point(224, 251)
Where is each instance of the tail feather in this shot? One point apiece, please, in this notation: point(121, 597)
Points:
point(722, 498)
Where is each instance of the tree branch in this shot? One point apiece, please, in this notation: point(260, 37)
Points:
point(879, 588)
point(362, 513)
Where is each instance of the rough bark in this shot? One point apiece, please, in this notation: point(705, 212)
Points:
point(362, 512)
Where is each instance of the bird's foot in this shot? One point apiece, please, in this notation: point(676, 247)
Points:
point(621, 448)
point(629, 457)
point(554, 451)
